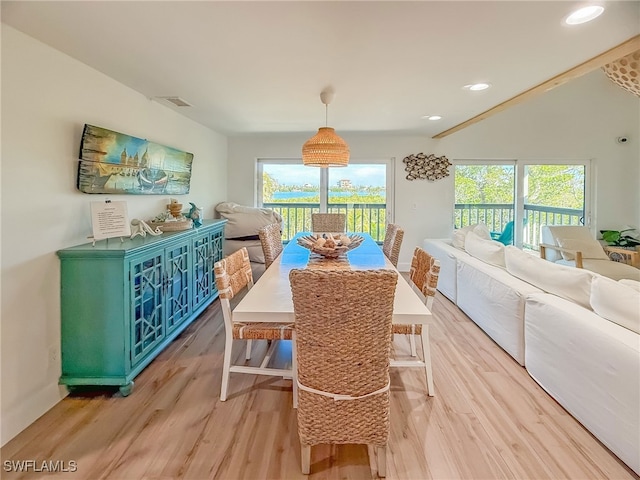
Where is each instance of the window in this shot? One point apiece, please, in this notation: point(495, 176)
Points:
point(362, 190)
point(551, 194)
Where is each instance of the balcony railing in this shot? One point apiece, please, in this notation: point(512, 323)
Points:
point(372, 218)
point(496, 216)
point(361, 217)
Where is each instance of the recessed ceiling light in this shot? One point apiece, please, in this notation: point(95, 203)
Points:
point(584, 15)
point(432, 117)
point(477, 87)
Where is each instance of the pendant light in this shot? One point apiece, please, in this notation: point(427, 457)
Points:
point(325, 148)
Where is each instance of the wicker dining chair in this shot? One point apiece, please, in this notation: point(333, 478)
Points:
point(271, 241)
point(328, 222)
point(233, 274)
point(424, 274)
point(342, 343)
point(392, 243)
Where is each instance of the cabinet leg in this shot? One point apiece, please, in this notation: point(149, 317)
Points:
point(126, 390)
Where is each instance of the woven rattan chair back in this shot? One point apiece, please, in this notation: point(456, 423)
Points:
point(424, 273)
point(343, 339)
point(233, 274)
point(392, 243)
point(387, 243)
point(328, 222)
point(271, 241)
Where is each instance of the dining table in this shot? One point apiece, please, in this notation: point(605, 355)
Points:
point(270, 298)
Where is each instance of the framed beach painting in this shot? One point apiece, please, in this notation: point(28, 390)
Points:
point(112, 162)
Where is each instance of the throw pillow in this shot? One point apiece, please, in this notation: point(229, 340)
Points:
point(459, 234)
point(488, 251)
point(589, 248)
point(571, 283)
point(616, 302)
point(482, 231)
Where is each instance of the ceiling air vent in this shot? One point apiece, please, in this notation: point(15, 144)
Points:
point(177, 101)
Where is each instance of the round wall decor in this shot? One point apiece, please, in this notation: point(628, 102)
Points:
point(429, 167)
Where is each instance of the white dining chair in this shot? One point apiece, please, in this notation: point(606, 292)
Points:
point(233, 274)
point(423, 274)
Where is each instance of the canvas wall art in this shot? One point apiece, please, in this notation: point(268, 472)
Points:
point(112, 162)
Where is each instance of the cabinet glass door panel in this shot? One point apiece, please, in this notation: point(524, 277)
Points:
point(216, 247)
point(147, 303)
point(178, 293)
point(202, 270)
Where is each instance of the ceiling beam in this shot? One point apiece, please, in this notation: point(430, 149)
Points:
point(596, 62)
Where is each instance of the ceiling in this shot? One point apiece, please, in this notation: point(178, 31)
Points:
point(259, 67)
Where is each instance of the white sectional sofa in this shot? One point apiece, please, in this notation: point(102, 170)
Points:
point(576, 332)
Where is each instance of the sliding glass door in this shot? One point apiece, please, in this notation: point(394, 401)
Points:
point(515, 198)
point(553, 195)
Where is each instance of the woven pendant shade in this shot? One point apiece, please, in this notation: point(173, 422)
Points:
point(625, 72)
point(325, 149)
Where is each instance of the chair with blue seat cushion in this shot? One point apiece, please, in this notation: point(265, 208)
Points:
point(506, 236)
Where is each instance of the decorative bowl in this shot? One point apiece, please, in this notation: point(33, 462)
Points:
point(342, 246)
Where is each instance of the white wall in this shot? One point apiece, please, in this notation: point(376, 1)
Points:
point(578, 121)
point(47, 97)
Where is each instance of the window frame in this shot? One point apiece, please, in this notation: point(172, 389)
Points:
point(324, 180)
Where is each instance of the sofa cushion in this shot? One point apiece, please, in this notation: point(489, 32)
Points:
point(567, 282)
point(488, 251)
point(630, 283)
point(244, 222)
point(591, 366)
point(589, 248)
point(494, 300)
point(616, 302)
point(448, 255)
point(460, 234)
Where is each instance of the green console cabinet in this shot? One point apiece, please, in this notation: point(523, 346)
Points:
point(123, 302)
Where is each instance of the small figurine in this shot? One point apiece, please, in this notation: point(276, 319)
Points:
point(139, 227)
point(194, 214)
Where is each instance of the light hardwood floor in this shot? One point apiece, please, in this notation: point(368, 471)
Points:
point(488, 420)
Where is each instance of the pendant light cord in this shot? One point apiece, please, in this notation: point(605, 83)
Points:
point(326, 115)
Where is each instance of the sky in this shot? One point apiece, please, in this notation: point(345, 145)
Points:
point(360, 175)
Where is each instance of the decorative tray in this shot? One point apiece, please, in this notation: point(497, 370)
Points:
point(331, 246)
point(173, 226)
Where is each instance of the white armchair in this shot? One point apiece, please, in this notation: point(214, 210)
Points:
point(575, 246)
